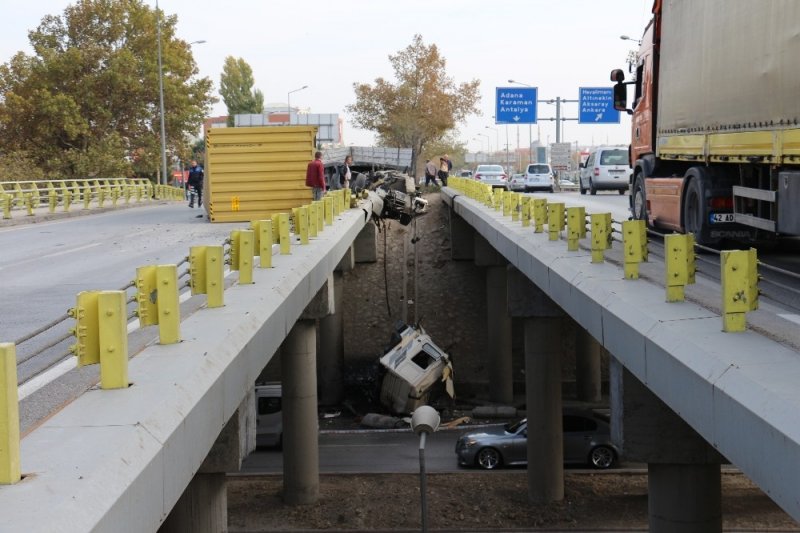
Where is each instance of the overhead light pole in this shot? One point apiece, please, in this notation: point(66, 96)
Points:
point(163, 179)
point(530, 126)
point(289, 101)
point(496, 137)
point(626, 38)
point(488, 144)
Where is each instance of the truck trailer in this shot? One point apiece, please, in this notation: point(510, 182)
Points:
point(715, 129)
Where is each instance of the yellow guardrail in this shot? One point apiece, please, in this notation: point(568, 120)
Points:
point(31, 196)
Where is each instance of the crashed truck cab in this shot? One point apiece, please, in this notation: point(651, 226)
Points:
point(413, 366)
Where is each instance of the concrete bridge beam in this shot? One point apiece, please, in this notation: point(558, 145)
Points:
point(462, 237)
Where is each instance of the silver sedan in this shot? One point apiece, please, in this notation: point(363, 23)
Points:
point(586, 440)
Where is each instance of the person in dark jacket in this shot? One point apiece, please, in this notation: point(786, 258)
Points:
point(195, 180)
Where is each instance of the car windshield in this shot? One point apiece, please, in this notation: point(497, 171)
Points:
point(614, 157)
point(490, 168)
point(538, 169)
point(513, 427)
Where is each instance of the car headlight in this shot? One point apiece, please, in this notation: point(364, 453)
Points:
point(467, 443)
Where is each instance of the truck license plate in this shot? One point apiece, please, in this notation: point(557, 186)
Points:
point(717, 218)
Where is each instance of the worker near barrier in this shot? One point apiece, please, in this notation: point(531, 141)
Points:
point(195, 180)
point(344, 172)
point(430, 172)
point(315, 176)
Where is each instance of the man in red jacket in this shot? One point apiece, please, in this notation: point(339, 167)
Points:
point(315, 176)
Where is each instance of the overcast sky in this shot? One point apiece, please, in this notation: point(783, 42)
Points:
point(555, 45)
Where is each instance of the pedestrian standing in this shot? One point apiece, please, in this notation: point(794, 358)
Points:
point(444, 171)
point(430, 172)
point(195, 180)
point(315, 176)
point(345, 173)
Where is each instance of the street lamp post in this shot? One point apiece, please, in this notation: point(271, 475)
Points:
point(480, 141)
point(163, 179)
point(289, 101)
point(424, 420)
point(496, 137)
point(530, 126)
point(626, 38)
point(488, 144)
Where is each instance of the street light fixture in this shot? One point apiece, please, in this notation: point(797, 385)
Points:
point(424, 420)
point(289, 101)
point(163, 179)
point(626, 38)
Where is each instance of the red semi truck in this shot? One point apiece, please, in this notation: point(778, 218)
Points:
point(715, 144)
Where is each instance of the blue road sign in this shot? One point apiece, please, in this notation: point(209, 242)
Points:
point(515, 105)
point(597, 106)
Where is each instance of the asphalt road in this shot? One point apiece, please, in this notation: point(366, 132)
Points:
point(44, 265)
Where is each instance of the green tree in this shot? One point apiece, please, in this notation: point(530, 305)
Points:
point(86, 102)
point(421, 106)
point(236, 87)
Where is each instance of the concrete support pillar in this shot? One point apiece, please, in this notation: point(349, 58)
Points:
point(498, 336)
point(462, 238)
point(203, 507)
point(331, 350)
point(300, 426)
point(683, 469)
point(543, 400)
point(587, 366)
point(684, 497)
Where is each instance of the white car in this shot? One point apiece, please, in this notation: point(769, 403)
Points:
point(607, 168)
point(539, 177)
point(493, 175)
point(517, 182)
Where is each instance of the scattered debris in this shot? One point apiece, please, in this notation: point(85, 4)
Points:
point(375, 420)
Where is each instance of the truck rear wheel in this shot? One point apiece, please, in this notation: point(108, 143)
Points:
point(638, 199)
point(695, 206)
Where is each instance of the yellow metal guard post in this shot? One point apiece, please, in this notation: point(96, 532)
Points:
point(197, 269)
point(147, 295)
point(555, 220)
point(691, 259)
point(303, 227)
point(515, 204)
point(6, 199)
point(320, 216)
point(86, 330)
point(312, 220)
point(676, 250)
point(265, 244)
point(113, 339)
point(246, 254)
point(285, 243)
point(215, 276)
point(295, 222)
point(52, 199)
point(525, 211)
point(631, 235)
point(506, 203)
point(276, 227)
point(256, 235)
point(169, 310)
point(574, 223)
point(599, 236)
point(739, 270)
point(539, 214)
point(234, 249)
point(328, 203)
point(9, 416)
point(582, 216)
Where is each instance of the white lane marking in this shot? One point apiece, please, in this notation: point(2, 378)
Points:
point(71, 250)
point(791, 318)
point(32, 385)
point(51, 374)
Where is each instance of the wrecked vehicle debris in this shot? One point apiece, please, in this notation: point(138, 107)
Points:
point(394, 196)
point(414, 365)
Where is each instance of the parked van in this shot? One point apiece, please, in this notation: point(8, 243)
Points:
point(269, 422)
point(606, 168)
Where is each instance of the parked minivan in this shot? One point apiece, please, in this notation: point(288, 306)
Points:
point(607, 168)
point(269, 421)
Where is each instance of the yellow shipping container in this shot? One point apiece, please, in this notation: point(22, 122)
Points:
point(252, 173)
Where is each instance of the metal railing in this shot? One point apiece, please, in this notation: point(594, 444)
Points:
point(31, 196)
